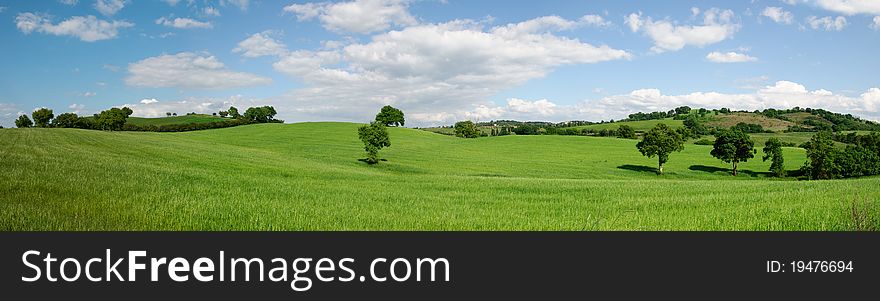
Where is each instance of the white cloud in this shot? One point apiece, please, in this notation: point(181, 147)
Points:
point(109, 7)
point(827, 23)
point(88, 94)
point(88, 29)
point(147, 101)
point(432, 70)
point(851, 7)
point(211, 11)
point(876, 24)
point(595, 20)
point(183, 23)
point(69, 2)
point(729, 57)
point(541, 107)
point(718, 25)
point(781, 95)
point(778, 15)
point(188, 70)
point(790, 2)
point(172, 2)
point(261, 44)
point(358, 16)
point(8, 113)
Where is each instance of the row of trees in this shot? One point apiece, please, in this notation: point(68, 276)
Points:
point(731, 146)
point(115, 119)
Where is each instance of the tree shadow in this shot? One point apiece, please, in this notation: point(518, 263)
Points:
point(365, 160)
point(639, 168)
point(728, 171)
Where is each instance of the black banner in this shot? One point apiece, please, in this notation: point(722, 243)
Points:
point(478, 265)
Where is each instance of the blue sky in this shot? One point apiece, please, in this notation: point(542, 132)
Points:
point(439, 61)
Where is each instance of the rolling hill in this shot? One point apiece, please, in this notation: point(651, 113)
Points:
point(307, 176)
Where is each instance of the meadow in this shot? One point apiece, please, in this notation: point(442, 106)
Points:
point(307, 176)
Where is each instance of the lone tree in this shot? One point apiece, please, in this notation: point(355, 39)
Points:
point(390, 116)
point(660, 141)
point(42, 116)
point(375, 137)
point(466, 129)
point(233, 112)
point(23, 122)
point(773, 151)
point(625, 131)
point(262, 114)
point(168, 114)
point(733, 146)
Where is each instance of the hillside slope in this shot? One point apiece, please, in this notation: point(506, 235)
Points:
point(307, 177)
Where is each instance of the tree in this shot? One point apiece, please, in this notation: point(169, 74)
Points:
point(390, 116)
point(466, 129)
point(167, 114)
point(262, 114)
point(660, 141)
point(42, 116)
point(820, 156)
point(682, 110)
point(375, 137)
point(127, 111)
point(174, 114)
point(733, 146)
point(233, 111)
point(625, 131)
point(773, 151)
point(23, 122)
point(66, 120)
point(224, 114)
point(112, 119)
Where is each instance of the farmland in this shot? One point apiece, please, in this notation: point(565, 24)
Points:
point(307, 176)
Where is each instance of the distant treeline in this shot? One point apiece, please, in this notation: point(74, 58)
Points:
point(115, 119)
point(823, 120)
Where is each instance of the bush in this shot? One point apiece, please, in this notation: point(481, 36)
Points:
point(467, 129)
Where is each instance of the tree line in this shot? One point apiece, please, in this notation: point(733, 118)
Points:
point(115, 119)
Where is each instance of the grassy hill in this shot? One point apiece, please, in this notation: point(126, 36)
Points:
point(306, 176)
point(186, 119)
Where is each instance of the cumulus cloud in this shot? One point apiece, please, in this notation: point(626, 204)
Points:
point(851, 7)
point(109, 7)
point(717, 25)
point(876, 24)
point(827, 23)
point(188, 70)
point(69, 2)
point(261, 44)
point(182, 23)
point(88, 28)
point(778, 15)
point(359, 16)
point(782, 94)
point(729, 57)
point(8, 113)
point(433, 70)
point(211, 11)
point(147, 101)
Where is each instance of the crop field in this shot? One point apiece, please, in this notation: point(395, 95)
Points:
point(307, 176)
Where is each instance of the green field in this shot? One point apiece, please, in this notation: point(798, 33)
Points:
point(198, 118)
point(307, 176)
point(640, 126)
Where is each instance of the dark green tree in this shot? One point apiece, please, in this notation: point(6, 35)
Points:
point(23, 122)
point(773, 152)
point(627, 132)
point(820, 156)
point(660, 141)
point(233, 112)
point(390, 116)
point(262, 114)
point(42, 117)
point(66, 120)
point(466, 129)
point(733, 146)
point(111, 120)
point(127, 111)
point(375, 137)
point(224, 114)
